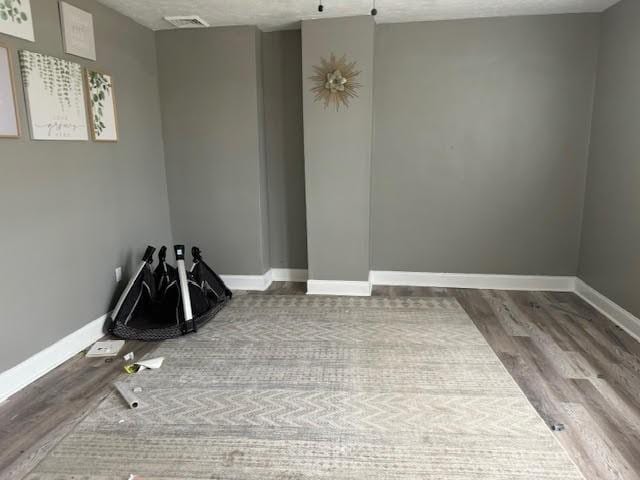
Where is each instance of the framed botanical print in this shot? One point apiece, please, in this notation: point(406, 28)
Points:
point(15, 19)
point(54, 92)
point(9, 124)
point(102, 106)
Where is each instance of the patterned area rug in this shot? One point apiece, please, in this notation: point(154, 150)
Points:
point(303, 387)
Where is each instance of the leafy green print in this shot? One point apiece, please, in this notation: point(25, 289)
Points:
point(99, 87)
point(58, 76)
point(11, 10)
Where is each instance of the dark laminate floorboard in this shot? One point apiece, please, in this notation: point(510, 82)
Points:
point(623, 435)
point(575, 367)
point(35, 419)
point(611, 364)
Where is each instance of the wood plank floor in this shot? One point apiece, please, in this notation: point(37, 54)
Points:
point(577, 368)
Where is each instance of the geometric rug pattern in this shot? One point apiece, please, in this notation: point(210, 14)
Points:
point(313, 387)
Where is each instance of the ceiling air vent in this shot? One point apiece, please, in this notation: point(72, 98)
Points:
point(187, 21)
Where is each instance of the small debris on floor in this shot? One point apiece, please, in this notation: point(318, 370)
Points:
point(558, 427)
point(150, 364)
point(129, 357)
point(137, 389)
point(131, 368)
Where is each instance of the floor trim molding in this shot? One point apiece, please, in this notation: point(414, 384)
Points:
point(18, 377)
point(248, 282)
point(339, 287)
point(618, 315)
point(34, 367)
point(289, 274)
point(473, 280)
point(262, 282)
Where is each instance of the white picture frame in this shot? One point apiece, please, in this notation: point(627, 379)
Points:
point(102, 106)
point(16, 19)
point(9, 122)
point(77, 31)
point(55, 97)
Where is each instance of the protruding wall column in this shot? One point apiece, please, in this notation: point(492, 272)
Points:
point(212, 115)
point(337, 148)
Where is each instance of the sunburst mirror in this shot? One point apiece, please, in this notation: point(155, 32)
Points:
point(335, 81)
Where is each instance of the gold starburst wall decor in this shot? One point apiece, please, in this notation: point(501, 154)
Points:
point(335, 81)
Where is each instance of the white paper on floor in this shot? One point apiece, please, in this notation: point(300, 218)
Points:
point(151, 363)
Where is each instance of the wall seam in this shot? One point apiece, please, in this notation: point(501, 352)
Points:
point(594, 93)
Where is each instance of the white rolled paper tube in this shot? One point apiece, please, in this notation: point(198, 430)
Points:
point(127, 395)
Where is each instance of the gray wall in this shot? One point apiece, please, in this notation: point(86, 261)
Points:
point(70, 212)
point(211, 93)
point(338, 154)
point(609, 257)
point(481, 133)
point(282, 74)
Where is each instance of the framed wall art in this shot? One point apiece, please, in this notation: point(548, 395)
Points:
point(9, 124)
point(102, 106)
point(54, 93)
point(77, 31)
point(15, 19)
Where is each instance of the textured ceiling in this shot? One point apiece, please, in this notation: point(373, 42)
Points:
point(278, 14)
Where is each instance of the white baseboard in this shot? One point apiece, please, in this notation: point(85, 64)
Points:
point(618, 315)
point(289, 274)
point(444, 280)
point(473, 280)
point(248, 282)
point(339, 287)
point(262, 282)
point(18, 377)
